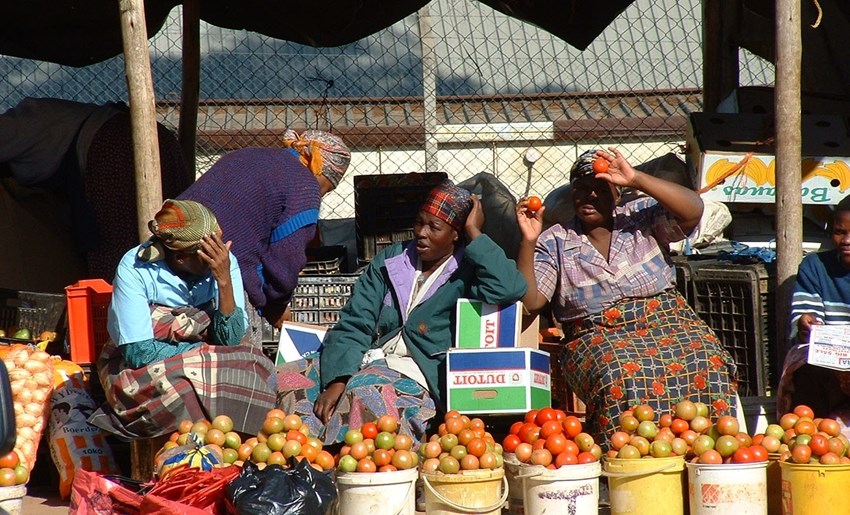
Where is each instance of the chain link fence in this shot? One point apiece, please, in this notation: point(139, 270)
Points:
point(456, 87)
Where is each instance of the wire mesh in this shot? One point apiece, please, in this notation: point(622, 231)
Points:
point(456, 87)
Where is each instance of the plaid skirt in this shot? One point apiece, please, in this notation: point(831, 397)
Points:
point(654, 351)
point(372, 392)
point(205, 382)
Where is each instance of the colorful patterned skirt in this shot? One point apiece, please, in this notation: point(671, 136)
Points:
point(205, 382)
point(652, 351)
point(372, 392)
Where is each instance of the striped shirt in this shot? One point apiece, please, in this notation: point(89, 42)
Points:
point(822, 289)
point(578, 281)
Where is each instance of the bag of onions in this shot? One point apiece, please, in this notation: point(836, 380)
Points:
point(31, 377)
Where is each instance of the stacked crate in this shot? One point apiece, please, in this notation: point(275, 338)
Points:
point(385, 207)
point(737, 302)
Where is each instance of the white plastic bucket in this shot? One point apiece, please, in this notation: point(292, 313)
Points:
point(572, 489)
point(729, 488)
point(12, 499)
point(515, 496)
point(377, 493)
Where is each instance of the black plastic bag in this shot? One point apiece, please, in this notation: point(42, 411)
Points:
point(499, 206)
point(298, 490)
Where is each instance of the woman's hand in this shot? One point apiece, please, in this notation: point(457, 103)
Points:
point(325, 404)
point(475, 220)
point(620, 172)
point(216, 254)
point(530, 223)
point(804, 326)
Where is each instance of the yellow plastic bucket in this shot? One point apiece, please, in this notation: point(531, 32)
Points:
point(641, 486)
point(733, 488)
point(473, 491)
point(374, 493)
point(774, 485)
point(814, 488)
point(572, 489)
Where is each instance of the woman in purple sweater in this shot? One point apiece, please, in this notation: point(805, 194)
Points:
point(267, 201)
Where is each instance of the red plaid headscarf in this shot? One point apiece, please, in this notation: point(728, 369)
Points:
point(449, 203)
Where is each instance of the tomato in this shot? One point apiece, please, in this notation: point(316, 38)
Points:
point(743, 455)
point(534, 203)
point(801, 453)
point(488, 461)
point(510, 442)
point(369, 430)
point(366, 465)
point(628, 423)
point(830, 458)
point(541, 457)
point(386, 440)
point(805, 427)
point(470, 462)
point(629, 452)
point(515, 427)
point(619, 439)
point(388, 423)
point(403, 460)
point(10, 460)
point(829, 426)
point(644, 412)
point(556, 444)
point(530, 416)
point(788, 420)
point(727, 425)
point(565, 458)
point(523, 452)
point(549, 428)
point(572, 426)
point(476, 447)
point(679, 425)
point(7, 476)
point(759, 453)
point(403, 443)
point(711, 457)
point(686, 410)
point(586, 457)
point(726, 445)
point(545, 415)
point(804, 411)
point(347, 464)
point(665, 420)
point(819, 444)
point(600, 165)
point(454, 425)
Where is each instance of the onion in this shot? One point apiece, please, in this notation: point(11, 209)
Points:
point(35, 367)
point(24, 396)
point(26, 433)
point(40, 356)
point(34, 408)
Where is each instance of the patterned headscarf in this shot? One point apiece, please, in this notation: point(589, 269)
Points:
point(179, 225)
point(583, 166)
point(449, 203)
point(321, 152)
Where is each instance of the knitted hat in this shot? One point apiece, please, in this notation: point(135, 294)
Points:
point(321, 152)
point(449, 203)
point(179, 225)
point(583, 166)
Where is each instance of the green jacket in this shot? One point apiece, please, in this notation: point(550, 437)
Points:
point(372, 315)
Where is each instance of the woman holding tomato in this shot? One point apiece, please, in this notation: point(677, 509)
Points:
point(386, 355)
point(629, 337)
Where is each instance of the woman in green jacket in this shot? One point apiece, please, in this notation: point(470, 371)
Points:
point(386, 355)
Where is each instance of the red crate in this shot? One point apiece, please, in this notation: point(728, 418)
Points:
point(88, 304)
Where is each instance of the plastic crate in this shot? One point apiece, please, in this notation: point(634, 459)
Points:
point(385, 207)
point(37, 312)
point(88, 306)
point(326, 260)
point(737, 302)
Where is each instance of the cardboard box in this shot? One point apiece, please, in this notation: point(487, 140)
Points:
point(296, 340)
point(497, 381)
point(479, 325)
point(718, 142)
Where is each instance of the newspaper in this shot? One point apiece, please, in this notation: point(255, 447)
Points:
point(829, 347)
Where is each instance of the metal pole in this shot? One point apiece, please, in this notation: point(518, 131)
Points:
point(137, 67)
point(789, 205)
point(429, 88)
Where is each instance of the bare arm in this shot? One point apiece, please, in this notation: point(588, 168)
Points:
point(684, 204)
point(530, 226)
point(216, 254)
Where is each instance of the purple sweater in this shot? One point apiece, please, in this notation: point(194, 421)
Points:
point(267, 203)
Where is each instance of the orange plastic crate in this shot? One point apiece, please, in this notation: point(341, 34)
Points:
point(88, 304)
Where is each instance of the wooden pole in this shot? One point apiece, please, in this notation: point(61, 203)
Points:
point(188, 129)
point(789, 204)
point(429, 87)
point(720, 71)
point(137, 68)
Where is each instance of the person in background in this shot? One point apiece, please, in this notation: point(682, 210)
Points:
point(267, 201)
point(386, 355)
point(176, 324)
point(629, 336)
point(84, 153)
point(821, 296)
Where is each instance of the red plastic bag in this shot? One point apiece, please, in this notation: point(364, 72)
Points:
point(187, 490)
point(93, 494)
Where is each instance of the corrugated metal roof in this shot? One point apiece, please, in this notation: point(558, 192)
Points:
point(400, 121)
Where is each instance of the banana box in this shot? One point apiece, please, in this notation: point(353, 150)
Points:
point(498, 381)
point(733, 157)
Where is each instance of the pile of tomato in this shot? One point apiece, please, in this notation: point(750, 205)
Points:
point(550, 438)
point(687, 431)
point(12, 470)
point(800, 437)
point(376, 447)
point(461, 444)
